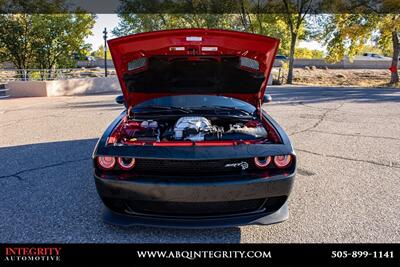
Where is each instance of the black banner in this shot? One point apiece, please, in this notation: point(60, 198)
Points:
point(200, 254)
point(201, 6)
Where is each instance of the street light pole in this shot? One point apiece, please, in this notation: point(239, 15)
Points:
point(105, 51)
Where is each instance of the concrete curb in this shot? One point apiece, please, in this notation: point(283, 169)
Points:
point(63, 87)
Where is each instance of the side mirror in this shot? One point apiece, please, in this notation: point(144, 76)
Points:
point(120, 99)
point(267, 98)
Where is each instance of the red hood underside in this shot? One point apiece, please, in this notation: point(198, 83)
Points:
point(193, 61)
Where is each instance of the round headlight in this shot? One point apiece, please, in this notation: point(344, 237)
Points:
point(106, 163)
point(262, 162)
point(282, 161)
point(126, 163)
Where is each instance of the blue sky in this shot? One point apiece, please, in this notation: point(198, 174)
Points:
point(110, 21)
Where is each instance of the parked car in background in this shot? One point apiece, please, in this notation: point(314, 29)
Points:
point(371, 56)
point(90, 59)
point(281, 58)
point(87, 62)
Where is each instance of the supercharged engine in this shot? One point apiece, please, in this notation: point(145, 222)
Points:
point(192, 128)
point(201, 129)
point(195, 129)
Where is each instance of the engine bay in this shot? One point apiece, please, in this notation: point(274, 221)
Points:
point(189, 129)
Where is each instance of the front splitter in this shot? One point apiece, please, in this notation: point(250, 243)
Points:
point(123, 220)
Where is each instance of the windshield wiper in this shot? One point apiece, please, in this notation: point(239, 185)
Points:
point(223, 108)
point(162, 108)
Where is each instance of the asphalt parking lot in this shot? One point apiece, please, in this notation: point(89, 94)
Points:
point(347, 187)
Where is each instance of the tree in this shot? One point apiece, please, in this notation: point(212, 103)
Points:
point(247, 17)
point(58, 37)
point(143, 15)
point(349, 34)
point(295, 14)
point(100, 52)
point(135, 23)
point(44, 41)
point(273, 25)
point(16, 37)
point(345, 34)
point(374, 48)
point(130, 23)
point(302, 52)
point(388, 41)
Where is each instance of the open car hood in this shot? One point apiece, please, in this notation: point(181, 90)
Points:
point(193, 61)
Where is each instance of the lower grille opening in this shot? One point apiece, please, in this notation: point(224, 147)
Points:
point(194, 208)
point(191, 167)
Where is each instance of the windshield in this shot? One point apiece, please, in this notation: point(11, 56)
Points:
point(196, 101)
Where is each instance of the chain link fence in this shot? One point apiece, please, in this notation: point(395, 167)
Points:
point(7, 75)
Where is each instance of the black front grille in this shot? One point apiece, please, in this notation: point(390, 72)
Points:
point(195, 208)
point(193, 167)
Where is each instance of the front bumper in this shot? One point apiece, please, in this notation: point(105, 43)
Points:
point(274, 190)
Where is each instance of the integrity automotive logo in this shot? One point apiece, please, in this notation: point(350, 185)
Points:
point(32, 254)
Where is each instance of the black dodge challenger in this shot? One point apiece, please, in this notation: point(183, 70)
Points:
point(194, 148)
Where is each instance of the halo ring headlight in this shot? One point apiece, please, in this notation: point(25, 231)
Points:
point(282, 161)
point(106, 163)
point(262, 162)
point(126, 163)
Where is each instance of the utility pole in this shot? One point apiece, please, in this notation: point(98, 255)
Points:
point(105, 51)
